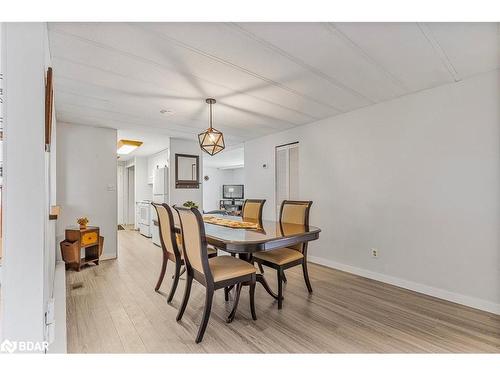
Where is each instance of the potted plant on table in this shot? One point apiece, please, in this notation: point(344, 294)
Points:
point(190, 204)
point(82, 221)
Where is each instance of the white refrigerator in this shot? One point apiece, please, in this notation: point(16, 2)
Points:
point(160, 195)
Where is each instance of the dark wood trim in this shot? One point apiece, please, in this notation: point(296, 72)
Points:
point(49, 95)
point(287, 144)
point(242, 247)
point(187, 184)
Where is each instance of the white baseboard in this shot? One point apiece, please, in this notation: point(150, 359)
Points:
point(476, 303)
point(60, 339)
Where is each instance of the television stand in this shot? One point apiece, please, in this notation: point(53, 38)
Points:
point(232, 206)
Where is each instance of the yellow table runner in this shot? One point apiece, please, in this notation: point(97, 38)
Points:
point(230, 223)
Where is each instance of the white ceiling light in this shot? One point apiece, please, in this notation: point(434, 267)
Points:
point(126, 146)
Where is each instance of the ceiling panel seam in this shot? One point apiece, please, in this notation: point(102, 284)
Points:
point(440, 52)
point(334, 30)
point(300, 62)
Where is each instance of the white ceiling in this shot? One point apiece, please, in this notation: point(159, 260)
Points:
point(266, 77)
point(229, 158)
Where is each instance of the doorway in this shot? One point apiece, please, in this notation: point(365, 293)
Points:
point(130, 197)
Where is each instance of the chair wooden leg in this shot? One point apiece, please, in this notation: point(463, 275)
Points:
point(187, 292)
point(177, 276)
point(230, 318)
point(206, 315)
point(261, 269)
point(162, 273)
point(183, 269)
point(252, 300)
point(306, 276)
point(280, 288)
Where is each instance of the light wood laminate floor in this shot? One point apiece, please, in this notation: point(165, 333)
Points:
point(116, 309)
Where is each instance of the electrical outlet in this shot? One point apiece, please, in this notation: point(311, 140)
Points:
point(374, 253)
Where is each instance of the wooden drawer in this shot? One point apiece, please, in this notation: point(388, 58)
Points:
point(89, 238)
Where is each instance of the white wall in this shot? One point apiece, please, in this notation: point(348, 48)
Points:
point(87, 179)
point(29, 261)
point(417, 178)
point(143, 191)
point(179, 196)
point(238, 176)
point(212, 189)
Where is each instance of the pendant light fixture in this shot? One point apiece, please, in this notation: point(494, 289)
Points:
point(211, 140)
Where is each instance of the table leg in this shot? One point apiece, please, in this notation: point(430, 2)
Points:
point(261, 279)
point(237, 288)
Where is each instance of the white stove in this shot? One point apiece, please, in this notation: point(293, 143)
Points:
point(144, 216)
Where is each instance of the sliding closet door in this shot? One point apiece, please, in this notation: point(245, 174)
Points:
point(287, 174)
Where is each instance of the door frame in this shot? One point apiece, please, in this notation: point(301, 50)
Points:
point(288, 147)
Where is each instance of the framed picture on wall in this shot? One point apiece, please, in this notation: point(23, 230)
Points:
point(49, 96)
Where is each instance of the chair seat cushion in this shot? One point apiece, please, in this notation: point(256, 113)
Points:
point(227, 267)
point(279, 256)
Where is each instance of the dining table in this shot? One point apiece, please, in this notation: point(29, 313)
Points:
point(264, 235)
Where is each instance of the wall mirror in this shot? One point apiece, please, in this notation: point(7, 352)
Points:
point(187, 171)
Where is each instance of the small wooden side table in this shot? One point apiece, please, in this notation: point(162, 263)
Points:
point(87, 239)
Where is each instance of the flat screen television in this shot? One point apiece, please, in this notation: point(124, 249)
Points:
point(232, 191)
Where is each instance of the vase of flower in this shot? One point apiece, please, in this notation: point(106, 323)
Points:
point(190, 204)
point(82, 221)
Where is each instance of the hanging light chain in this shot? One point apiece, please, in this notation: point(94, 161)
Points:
point(210, 104)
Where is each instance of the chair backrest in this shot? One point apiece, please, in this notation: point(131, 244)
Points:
point(252, 209)
point(195, 244)
point(295, 212)
point(166, 229)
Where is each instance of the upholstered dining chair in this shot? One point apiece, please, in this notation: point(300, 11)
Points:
point(213, 273)
point(171, 244)
point(252, 209)
point(291, 212)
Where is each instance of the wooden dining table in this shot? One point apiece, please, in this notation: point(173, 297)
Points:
point(268, 235)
